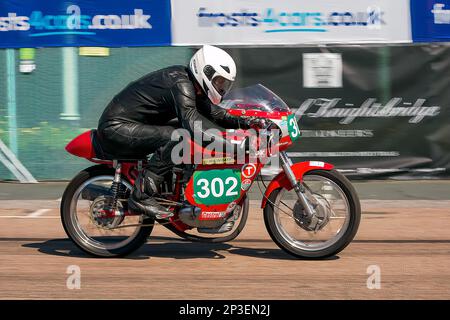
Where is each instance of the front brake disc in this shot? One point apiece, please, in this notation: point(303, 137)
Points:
point(317, 221)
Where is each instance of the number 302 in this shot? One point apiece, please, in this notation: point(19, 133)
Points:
point(217, 187)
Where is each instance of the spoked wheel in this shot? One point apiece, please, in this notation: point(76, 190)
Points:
point(89, 221)
point(336, 222)
point(195, 236)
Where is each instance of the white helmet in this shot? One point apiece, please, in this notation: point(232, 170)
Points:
point(214, 70)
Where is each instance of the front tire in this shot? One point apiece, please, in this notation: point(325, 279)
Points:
point(344, 240)
point(72, 230)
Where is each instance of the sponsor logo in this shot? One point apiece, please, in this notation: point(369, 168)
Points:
point(212, 215)
point(317, 164)
point(249, 170)
point(441, 16)
point(245, 184)
point(395, 107)
point(226, 160)
point(291, 21)
point(337, 133)
point(13, 22)
point(73, 22)
point(345, 154)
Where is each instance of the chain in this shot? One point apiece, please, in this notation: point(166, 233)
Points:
point(162, 201)
point(166, 202)
point(141, 225)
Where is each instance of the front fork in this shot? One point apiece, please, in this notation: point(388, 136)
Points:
point(299, 188)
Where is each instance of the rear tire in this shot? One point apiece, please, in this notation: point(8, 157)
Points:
point(139, 238)
point(346, 238)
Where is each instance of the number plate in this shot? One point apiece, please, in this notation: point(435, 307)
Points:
point(294, 131)
point(217, 186)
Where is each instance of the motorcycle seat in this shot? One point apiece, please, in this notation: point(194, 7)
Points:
point(103, 155)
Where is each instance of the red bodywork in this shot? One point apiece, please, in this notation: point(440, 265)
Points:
point(189, 191)
point(82, 146)
point(299, 169)
point(248, 112)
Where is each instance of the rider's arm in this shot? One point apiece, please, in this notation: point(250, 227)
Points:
point(184, 99)
point(223, 118)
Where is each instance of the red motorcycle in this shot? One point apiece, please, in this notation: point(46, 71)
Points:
point(310, 209)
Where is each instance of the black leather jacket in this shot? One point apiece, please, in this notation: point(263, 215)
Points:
point(160, 96)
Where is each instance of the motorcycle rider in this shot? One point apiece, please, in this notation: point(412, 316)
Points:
point(135, 122)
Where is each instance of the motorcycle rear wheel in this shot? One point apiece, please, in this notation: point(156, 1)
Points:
point(71, 225)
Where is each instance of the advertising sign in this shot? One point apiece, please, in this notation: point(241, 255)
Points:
point(430, 20)
point(322, 70)
point(246, 22)
point(389, 117)
point(32, 23)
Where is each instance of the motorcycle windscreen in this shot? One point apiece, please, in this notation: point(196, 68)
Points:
point(256, 97)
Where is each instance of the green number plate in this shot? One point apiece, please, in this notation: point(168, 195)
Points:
point(294, 131)
point(217, 186)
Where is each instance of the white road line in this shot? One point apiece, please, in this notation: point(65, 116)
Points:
point(27, 217)
point(37, 213)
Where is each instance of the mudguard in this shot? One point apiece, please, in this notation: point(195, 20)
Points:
point(299, 169)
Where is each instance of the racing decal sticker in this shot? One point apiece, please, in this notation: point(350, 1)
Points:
point(294, 131)
point(317, 164)
point(245, 184)
point(211, 215)
point(248, 170)
point(223, 160)
point(213, 187)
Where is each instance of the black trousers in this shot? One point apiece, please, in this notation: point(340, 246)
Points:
point(136, 140)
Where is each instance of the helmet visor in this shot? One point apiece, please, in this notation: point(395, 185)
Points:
point(222, 85)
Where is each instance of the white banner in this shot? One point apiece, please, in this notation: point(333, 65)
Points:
point(268, 22)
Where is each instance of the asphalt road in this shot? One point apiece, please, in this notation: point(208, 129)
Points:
point(407, 240)
point(374, 189)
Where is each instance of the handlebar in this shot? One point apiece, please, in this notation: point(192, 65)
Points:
point(257, 123)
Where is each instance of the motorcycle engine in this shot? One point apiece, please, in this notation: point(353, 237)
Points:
point(190, 216)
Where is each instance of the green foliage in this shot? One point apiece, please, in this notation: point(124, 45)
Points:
point(42, 150)
point(48, 136)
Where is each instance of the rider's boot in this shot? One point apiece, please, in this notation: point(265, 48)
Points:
point(142, 198)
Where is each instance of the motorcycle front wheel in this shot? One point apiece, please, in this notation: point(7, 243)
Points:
point(340, 212)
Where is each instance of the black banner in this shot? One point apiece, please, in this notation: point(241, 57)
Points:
point(223, 309)
point(371, 111)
